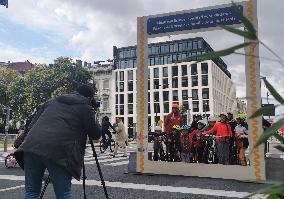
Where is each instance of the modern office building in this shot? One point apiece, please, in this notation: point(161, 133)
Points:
point(202, 88)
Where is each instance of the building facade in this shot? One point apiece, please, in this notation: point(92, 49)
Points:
point(174, 77)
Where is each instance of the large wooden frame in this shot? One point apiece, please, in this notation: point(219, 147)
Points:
point(254, 172)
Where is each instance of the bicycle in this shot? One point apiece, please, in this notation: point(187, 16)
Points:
point(105, 143)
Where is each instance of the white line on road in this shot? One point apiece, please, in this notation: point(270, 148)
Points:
point(171, 189)
point(12, 188)
point(117, 163)
point(107, 160)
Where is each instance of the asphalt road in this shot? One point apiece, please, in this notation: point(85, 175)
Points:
point(121, 185)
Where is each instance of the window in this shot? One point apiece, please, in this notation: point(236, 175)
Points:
point(130, 98)
point(130, 75)
point(157, 107)
point(175, 95)
point(184, 46)
point(116, 109)
point(156, 96)
point(149, 108)
point(148, 96)
point(116, 99)
point(194, 45)
point(199, 44)
point(185, 105)
point(174, 58)
point(116, 76)
point(148, 84)
point(130, 86)
point(121, 75)
point(194, 80)
point(206, 106)
point(105, 104)
point(170, 59)
point(193, 69)
point(184, 82)
point(106, 84)
point(185, 94)
point(204, 80)
point(156, 72)
point(180, 47)
point(172, 48)
point(121, 110)
point(166, 107)
point(175, 82)
point(130, 121)
point(183, 70)
point(121, 86)
point(157, 61)
point(204, 68)
point(130, 108)
point(205, 93)
point(195, 107)
point(194, 94)
point(165, 95)
point(165, 59)
point(156, 84)
point(176, 47)
point(116, 86)
point(121, 99)
point(165, 83)
point(165, 72)
point(175, 71)
point(183, 56)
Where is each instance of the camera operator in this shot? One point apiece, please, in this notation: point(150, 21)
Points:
point(57, 141)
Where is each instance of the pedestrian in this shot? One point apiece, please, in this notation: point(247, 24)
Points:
point(57, 141)
point(194, 122)
point(158, 144)
point(173, 118)
point(233, 151)
point(106, 125)
point(120, 138)
point(223, 134)
point(184, 144)
point(197, 143)
point(241, 141)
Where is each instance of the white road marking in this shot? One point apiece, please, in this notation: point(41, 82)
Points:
point(117, 163)
point(12, 188)
point(159, 188)
point(107, 160)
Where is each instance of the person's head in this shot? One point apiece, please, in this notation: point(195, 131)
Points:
point(211, 121)
point(118, 119)
point(239, 121)
point(175, 108)
point(86, 90)
point(200, 124)
point(185, 129)
point(223, 117)
point(158, 129)
point(106, 118)
point(230, 116)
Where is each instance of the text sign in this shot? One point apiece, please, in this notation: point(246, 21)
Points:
point(194, 20)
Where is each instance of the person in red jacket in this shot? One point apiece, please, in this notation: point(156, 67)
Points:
point(173, 118)
point(223, 134)
point(197, 143)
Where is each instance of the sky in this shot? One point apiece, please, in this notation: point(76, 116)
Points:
point(42, 30)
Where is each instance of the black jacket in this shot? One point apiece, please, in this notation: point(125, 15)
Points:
point(106, 125)
point(59, 131)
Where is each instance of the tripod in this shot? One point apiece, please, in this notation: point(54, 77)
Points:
point(47, 180)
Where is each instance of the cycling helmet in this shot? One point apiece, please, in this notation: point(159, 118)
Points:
point(212, 119)
point(201, 121)
point(158, 128)
point(176, 127)
point(242, 116)
point(185, 127)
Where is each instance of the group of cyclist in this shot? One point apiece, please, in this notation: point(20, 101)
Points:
point(221, 140)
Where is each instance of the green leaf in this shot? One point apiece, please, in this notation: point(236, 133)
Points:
point(279, 137)
point(269, 132)
point(221, 53)
point(280, 148)
point(242, 33)
point(272, 196)
point(277, 189)
point(273, 92)
point(263, 111)
point(248, 25)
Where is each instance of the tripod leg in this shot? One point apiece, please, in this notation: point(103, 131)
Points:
point(46, 182)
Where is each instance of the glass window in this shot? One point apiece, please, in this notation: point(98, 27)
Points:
point(170, 59)
point(121, 99)
point(175, 71)
point(165, 59)
point(116, 109)
point(163, 49)
point(156, 84)
point(148, 84)
point(116, 76)
point(166, 107)
point(189, 45)
point(130, 108)
point(165, 72)
point(194, 94)
point(175, 82)
point(106, 84)
point(175, 95)
point(150, 50)
point(184, 46)
point(194, 81)
point(193, 69)
point(156, 96)
point(185, 94)
point(179, 57)
point(157, 61)
point(130, 86)
point(183, 56)
point(171, 48)
point(184, 82)
point(176, 47)
point(116, 86)
point(183, 70)
point(205, 93)
point(121, 86)
point(165, 83)
point(121, 76)
point(206, 106)
point(193, 55)
point(149, 109)
point(204, 80)
point(180, 47)
point(130, 98)
point(195, 106)
point(165, 95)
point(185, 105)
point(157, 107)
point(116, 99)
point(199, 44)
point(156, 72)
point(121, 109)
point(152, 61)
point(130, 75)
point(130, 121)
point(194, 45)
point(204, 68)
point(120, 54)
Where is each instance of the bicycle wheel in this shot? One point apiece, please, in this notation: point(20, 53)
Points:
point(103, 146)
